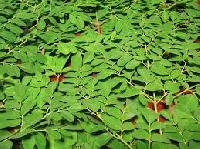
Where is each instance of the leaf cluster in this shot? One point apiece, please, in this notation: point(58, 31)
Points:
point(91, 74)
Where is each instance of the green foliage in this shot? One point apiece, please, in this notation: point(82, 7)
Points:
point(91, 74)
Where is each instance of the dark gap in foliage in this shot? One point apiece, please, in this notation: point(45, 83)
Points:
point(156, 93)
point(48, 144)
point(53, 53)
point(98, 132)
point(174, 142)
point(179, 7)
point(167, 55)
point(94, 118)
point(197, 40)
point(104, 147)
point(169, 1)
point(66, 17)
point(62, 139)
point(117, 40)
point(65, 40)
point(90, 9)
point(135, 24)
point(185, 72)
point(156, 131)
point(181, 25)
point(117, 86)
point(68, 62)
point(93, 74)
point(16, 144)
point(136, 82)
point(191, 84)
point(67, 1)
point(29, 25)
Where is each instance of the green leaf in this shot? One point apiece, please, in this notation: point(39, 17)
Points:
point(159, 138)
point(166, 28)
point(70, 138)
point(66, 48)
point(117, 144)
point(92, 104)
point(9, 119)
point(88, 57)
point(6, 144)
point(28, 67)
point(113, 111)
point(188, 103)
point(118, 25)
point(130, 110)
point(165, 16)
point(56, 63)
point(53, 138)
point(141, 134)
point(40, 140)
point(9, 123)
point(105, 73)
point(19, 22)
point(77, 20)
point(156, 85)
point(174, 136)
point(149, 115)
point(192, 135)
point(53, 134)
point(32, 118)
point(193, 145)
point(112, 122)
point(3, 19)
point(68, 116)
point(76, 61)
point(157, 125)
point(49, 37)
point(27, 106)
point(124, 59)
point(9, 36)
point(156, 145)
point(14, 28)
point(90, 127)
point(41, 24)
point(159, 69)
point(10, 115)
point(10, 70)
point(128, 126)
point(141, 144)
point(172, 86)
point(129, 92)
point(4, 134)
point(114, 54)
point(24, 15)
point(169, 99)
point(132, 64)
point(175, 73)
point(29, 143)
point(30, 101)
point(102, 139)
point(38, 81)
point(180, 114)
point(105, 87)
point(146, 75)
point(198, 89)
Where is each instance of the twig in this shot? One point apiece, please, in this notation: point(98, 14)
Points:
point(98, 25)
point(118, 137)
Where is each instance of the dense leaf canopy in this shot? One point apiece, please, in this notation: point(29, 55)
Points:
point(89, 74)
